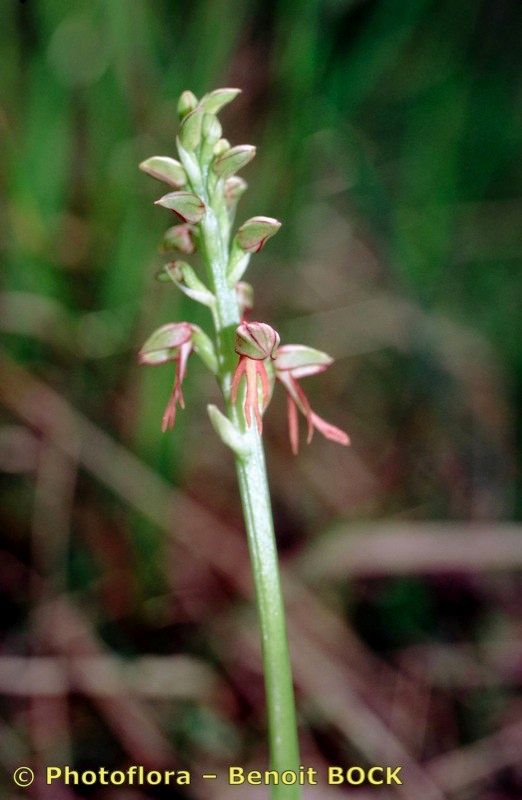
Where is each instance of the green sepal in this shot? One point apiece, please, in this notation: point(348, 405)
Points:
point(210, 132)
point(163, 345)
point(186, 103)
point(188, 206)
point(299, 360)
point(233, 160)
point(221, 146)
point(253, 233)
point(165, 169)
point(211, 129)
point(190, 129)
point(214, 101)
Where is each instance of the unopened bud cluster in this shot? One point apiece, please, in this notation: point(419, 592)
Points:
point(204, 191)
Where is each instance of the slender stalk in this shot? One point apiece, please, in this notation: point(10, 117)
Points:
point(257, 511)
point(284, 751)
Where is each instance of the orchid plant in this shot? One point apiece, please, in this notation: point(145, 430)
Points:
point(244, 355)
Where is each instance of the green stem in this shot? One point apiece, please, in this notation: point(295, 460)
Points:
point(255, 497)
point(257, 511)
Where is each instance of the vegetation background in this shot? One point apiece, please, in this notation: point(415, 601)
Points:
point(388, 141)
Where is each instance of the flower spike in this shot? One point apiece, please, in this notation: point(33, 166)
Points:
point(203, 190)
point(295, 361)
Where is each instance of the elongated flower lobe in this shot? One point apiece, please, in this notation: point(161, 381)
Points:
point(295, 361)
point(171, 342)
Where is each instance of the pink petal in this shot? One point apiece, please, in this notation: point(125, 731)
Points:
point(252, 398)
point(293, 425)
point(238, 374)
point(169, 417)
point(184, 353)
point(179, 395)
point(265, 385)
point(328, 430)
point(295, 392)
point(249, 397)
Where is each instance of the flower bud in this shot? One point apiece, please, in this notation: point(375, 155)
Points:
point(165, 169)
point(179, 237)
point(233, 160)
point(235, 187)
point(186, 103)
point(163, 345)
point(188, 207)
point(214, 101)
point(169, 273)
point(253, 233)
point(256, 340)
point(211, 129)
point(300, 361)
point(185, 278)
point(190, 129)
point(221, 147)
point(244, 296)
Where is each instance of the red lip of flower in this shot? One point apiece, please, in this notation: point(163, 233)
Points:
point(255, 342)
point(171, 342)
point(295, 361)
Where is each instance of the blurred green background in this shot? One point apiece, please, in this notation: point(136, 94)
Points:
point(388, 139)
